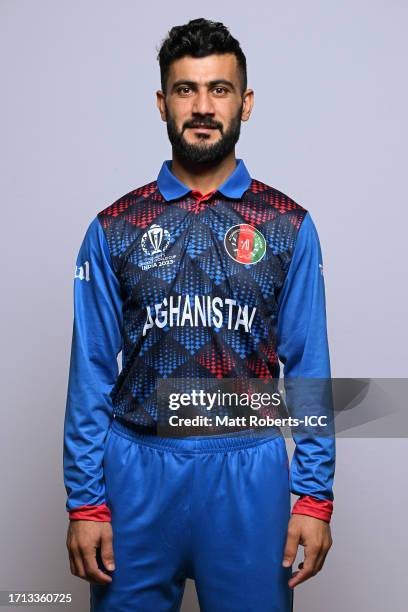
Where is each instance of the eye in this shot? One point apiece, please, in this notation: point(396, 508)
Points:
point(220, 89)
point(184, 89)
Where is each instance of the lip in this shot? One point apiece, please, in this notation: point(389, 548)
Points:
point(202, 129)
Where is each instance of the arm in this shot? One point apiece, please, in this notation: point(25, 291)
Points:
point(96, 342)
point(303, 349)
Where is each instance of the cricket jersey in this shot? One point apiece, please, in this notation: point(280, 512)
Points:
point(188, 285)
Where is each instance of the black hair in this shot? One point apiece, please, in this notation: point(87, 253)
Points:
point(199, 38)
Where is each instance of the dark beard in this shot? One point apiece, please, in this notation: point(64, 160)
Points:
point(204, 154)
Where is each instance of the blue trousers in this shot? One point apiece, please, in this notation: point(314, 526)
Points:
point(212, 508)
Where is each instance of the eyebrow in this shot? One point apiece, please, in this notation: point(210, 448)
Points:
point(210, 84)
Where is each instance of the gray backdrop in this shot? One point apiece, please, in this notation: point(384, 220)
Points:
point(80, 128)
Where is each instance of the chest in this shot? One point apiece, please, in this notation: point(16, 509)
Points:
point(234, 253)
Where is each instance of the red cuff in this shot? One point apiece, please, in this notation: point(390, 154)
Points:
point(91, 513)
point(311, 506)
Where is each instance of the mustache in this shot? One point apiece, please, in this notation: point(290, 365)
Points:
point(208, 123)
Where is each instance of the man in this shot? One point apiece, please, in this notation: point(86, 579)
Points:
point(204, 273)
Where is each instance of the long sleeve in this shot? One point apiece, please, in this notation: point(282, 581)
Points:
point(93, 371)
point(303, 350)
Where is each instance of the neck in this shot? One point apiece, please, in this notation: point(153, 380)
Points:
point(203, 177)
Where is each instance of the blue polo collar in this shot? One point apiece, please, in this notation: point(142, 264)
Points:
point(233, 187)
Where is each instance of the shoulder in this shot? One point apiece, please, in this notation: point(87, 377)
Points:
point(272, 197)
point(280, 214)
point(130, 203)
point(127, 216)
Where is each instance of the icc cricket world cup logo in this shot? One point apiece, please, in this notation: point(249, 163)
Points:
point(155, 240)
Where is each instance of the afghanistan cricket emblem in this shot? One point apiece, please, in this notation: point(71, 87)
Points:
point(245, 244)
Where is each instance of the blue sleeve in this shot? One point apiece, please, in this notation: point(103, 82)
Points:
point(303, 350)
point(93, 370)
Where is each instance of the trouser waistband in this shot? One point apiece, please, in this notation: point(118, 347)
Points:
point(242, 439)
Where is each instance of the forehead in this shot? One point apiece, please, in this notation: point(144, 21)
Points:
point(203, 69)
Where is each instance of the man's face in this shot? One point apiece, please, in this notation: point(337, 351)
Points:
point(203, 107)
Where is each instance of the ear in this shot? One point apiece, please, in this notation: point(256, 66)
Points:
point(161, 104)
point(248, 103)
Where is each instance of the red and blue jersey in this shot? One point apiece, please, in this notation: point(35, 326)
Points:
point(221, 285)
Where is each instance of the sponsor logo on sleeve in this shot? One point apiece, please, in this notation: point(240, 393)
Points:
point(82, 272)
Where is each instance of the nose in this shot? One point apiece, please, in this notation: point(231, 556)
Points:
point(203, 104)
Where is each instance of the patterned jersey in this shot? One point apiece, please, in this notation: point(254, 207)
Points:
point(221, 285)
